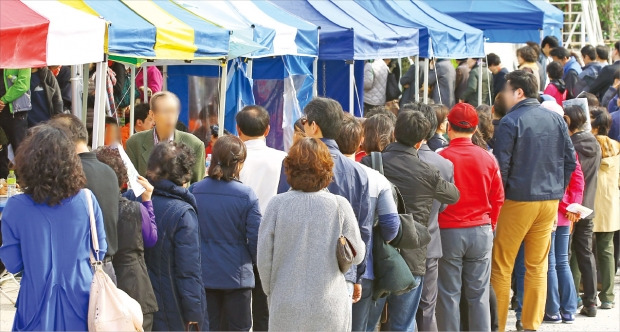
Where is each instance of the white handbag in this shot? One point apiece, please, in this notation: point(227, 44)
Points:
point(109, 308)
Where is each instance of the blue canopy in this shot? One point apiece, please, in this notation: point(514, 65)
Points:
point(348, 32)
point(554, 19)
point(503, 21)
point(448, 37)
point(341, 36)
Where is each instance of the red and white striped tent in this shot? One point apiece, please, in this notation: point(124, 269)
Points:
point(42, 33)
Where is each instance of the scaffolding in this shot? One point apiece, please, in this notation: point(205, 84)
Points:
point(582, 25)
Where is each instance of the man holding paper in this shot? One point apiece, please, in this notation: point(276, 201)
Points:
point(165, 107)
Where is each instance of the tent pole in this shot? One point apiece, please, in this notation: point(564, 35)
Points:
point(426, 81)
point(100, 99)
point(145, 85)
point(416, 88)
point(250, 71)
point(165, 79)
point(352, 87)
point(315, 73)
point(480, 82)
point(85, 83)
point(222, 110)
point(132, 99)
point(75, 91)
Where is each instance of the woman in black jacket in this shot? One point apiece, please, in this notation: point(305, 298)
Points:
point(136, 230)
point(589, 152)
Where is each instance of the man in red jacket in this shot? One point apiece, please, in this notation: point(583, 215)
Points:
point(467, 226)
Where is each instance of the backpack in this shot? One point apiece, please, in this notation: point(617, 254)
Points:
point(109, 308)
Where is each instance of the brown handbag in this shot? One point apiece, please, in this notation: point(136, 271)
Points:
point(344, 251)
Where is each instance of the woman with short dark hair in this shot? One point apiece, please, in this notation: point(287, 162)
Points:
point(556, 87)
point(228, 216)
point(297, 246)
point(174, 262)
point(46, 234)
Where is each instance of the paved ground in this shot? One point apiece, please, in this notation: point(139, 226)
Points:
point(606, 320)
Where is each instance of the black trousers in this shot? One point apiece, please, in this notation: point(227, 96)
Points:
point(581, 247)
point(260, 308)
point(15, 127)
point(229, 310)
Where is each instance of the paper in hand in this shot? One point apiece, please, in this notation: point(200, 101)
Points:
point(583, 211)
point(132, 173)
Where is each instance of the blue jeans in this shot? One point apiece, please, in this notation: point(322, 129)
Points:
point(561, 294)
point(401, 310)
point(520, 278)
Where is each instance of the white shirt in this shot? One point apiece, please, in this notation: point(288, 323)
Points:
point(261, 170)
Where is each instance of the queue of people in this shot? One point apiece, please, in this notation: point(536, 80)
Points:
point(423, 218)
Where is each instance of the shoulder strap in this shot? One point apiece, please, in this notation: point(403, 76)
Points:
point(377, 161)
point(93, 228)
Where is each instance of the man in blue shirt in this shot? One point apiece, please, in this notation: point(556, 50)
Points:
point(323, 120)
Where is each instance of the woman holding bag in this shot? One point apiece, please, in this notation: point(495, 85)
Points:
point(297, 246)
point(46, 234)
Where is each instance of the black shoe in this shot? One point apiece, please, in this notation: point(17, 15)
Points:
point(589, 311)
point(519, 326)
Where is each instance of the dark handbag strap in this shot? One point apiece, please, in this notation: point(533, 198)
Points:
point(377, 161)
point(377, 164)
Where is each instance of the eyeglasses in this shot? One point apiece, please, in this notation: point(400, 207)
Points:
point(304, 120)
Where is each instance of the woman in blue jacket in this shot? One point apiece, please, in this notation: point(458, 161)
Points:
point(174, 262)
point(46, 235)
point(229, 217)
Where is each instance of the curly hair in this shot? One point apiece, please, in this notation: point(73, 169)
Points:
point(228, 153)
point(485, 124)
point(111, 157)
point(49, 169)
point(171, 161)
point(309, 165)
point(528, 54)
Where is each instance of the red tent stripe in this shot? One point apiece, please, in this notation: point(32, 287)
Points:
point(23, 33)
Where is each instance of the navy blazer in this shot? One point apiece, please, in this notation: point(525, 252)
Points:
point(229, 217)
point(535, 153)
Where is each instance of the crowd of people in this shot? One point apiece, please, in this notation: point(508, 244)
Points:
point(446, 209)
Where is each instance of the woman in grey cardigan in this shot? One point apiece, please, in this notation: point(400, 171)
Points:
point(297, 246)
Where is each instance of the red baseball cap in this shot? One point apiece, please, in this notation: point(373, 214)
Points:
point(464, 116)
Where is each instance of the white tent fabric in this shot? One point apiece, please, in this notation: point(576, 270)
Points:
point(74, 37)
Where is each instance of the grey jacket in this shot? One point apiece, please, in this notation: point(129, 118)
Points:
point(420, 184)
point(443, 76)
point(446, 170)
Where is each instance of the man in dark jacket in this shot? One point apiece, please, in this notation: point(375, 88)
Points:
point(499, 73)
point(606, 76)
point(45, 96)
point(590, 70)
point(536, 160)
point(420, 184)
point(425, 317)
point(323, 120)
point(100, 179)
point(572, 69)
